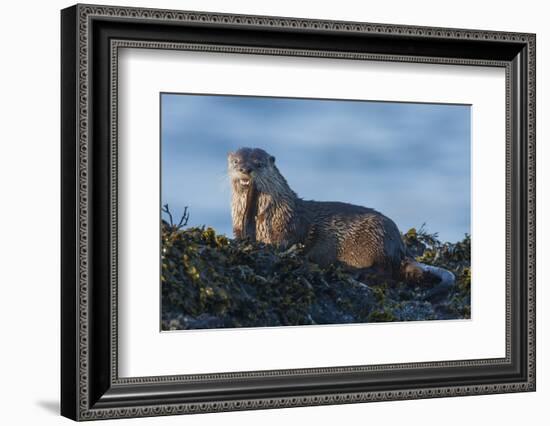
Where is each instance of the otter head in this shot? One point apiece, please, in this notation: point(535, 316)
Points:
point(250, 168)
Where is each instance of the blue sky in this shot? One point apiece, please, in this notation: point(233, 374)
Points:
point(409, 161)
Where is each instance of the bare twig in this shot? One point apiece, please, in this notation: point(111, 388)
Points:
point(184, 218)
point(166, 210)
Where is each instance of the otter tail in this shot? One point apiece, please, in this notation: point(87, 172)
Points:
point(447, 277)
point(416, 271)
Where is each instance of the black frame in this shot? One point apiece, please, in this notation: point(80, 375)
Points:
point(90, 387)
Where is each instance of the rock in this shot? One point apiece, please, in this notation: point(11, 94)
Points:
point(211, 281)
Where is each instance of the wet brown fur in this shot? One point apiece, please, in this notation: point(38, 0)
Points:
point(266, 209)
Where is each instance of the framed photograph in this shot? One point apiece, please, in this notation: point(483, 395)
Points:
point(263, 212)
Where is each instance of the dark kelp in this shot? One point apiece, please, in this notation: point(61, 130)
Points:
point(211, 281)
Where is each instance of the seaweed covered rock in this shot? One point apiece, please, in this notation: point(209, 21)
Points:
point(211, 281)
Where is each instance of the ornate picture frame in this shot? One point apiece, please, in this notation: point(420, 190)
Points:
point(91, 37)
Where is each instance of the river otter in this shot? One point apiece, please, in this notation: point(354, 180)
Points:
point(264, 208)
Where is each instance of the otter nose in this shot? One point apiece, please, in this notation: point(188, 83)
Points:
point(246, 170)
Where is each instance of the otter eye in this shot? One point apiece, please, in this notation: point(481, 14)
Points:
point(235, 161)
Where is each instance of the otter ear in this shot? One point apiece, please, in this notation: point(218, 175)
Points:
point(272, 159)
